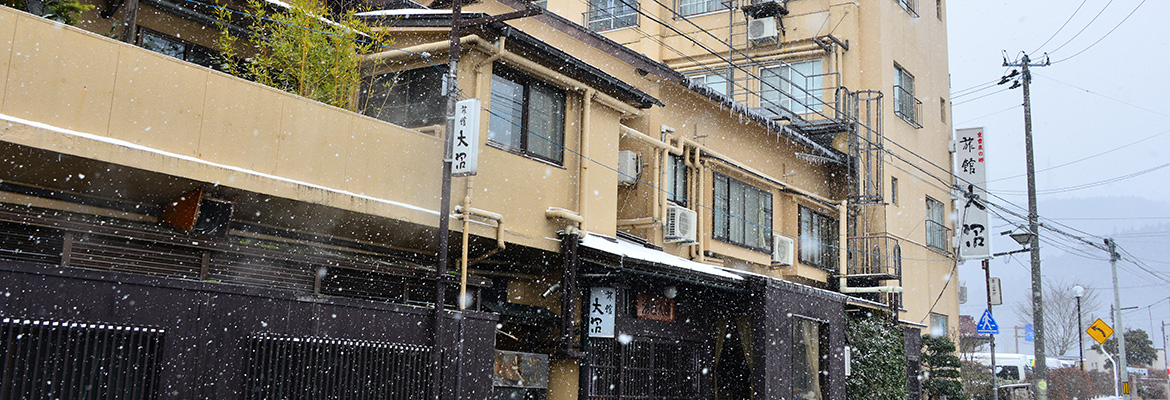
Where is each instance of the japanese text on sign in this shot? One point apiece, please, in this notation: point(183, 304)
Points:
point(464, 145)
point(602, 304)
point(971, 178)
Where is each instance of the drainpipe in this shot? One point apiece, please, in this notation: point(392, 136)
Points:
point(583, 161)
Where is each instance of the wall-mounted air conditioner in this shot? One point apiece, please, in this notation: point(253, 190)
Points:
point(762, 29)
point(681, 224)
point(782, 250)
point(629, 167)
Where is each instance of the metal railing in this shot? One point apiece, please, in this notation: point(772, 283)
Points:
point(936, 235)
point(78, 360)
point(619, 14)
point(876, 256)
point(908, 107)
point(911, 6)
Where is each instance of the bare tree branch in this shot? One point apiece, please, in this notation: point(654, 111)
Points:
point(1060, 314)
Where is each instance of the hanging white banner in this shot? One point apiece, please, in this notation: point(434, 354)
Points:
point(971, 178)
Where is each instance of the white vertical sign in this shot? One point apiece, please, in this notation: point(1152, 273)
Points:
point(465, 144)
point(993, 289)
point(602, 304)
point(971, 177)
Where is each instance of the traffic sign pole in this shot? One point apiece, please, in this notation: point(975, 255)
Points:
point(994, 376)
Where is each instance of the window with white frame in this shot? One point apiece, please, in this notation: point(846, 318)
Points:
point(936, 229)
point(906, 105)
point(605, 15)
point(720, 82)
point(938, 325)
point(743, 214)
point(527, 116)
point(695, 7)
point(818, 239)
point(793, 86)
point(676, 180)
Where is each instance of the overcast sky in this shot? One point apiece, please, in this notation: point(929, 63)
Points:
point(1113, 94)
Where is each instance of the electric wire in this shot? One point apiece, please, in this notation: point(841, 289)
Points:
point(1115, 179)
point(1105, 36)
point(980, 97)
point(1083, 28)
point(1070, 18)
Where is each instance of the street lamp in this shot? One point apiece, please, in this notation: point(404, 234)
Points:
point(1079, 292)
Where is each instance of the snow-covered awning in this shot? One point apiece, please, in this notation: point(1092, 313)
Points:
point(638, 253)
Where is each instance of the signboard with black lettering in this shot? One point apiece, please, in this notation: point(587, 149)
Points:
point(971, 177)
point(655, 308)
point(465, 143)
point(602, 308)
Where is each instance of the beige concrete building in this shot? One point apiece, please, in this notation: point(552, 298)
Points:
point(729, 185)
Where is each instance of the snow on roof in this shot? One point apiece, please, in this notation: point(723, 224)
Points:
point(638, 252)
point(403, 11)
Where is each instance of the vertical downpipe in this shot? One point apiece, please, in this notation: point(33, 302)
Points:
point(843, 245)
point(583, 167)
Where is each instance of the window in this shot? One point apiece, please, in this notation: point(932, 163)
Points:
point(911, 6)
point(676, 180)
point(942, 110)
point(810, 370)
point(936, 230)
point(743, 214)
point(795, 87)
point(693, 7)
point(818, 239)
point(175, 47)
point(410, 99)
point(893, 190)
point(938, 324)
point(527, 116)
point(605, 15)
point(905, 104)
point(720, 82)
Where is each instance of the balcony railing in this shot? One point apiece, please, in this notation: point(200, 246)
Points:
point(908, 107)
point(911, 6)
point(936, 235)
point(609, 15)
point(876, 257)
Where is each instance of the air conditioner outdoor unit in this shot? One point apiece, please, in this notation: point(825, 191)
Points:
point(629, 167)
point(762, 29)
point(681, 224)
point(782, 250)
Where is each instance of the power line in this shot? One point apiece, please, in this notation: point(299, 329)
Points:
point(1106, 34)
point(1070, 18)
point(1087, 157)
point(1104, 96)
point(1083, 28)
point(1093, 184)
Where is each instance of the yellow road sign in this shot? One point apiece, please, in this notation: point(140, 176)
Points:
point(1100, 331)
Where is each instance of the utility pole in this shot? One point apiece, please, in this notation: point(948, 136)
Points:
point(1164, 364)
point(450, 88)
point(1122, 365)
point(1041, 368)
point(1016, 333)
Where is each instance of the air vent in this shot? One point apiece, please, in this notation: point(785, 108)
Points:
point(680, 225)
point(763, 29)
point(782, 249)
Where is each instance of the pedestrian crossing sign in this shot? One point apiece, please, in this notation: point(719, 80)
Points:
point(987, 325)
